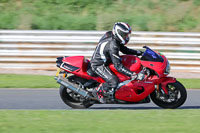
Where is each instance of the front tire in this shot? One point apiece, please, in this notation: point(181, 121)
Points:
point(177, 96)
point(71, 99)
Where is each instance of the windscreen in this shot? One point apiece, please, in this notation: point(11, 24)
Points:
point(150, 55)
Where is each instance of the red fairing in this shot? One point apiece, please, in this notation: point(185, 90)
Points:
point(135, 91)
point(159, 67)
point(76, 61)
point(164, 81)
point(82, 64)
point(131, 62)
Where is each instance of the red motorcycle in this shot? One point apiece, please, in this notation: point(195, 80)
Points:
point(77, 82)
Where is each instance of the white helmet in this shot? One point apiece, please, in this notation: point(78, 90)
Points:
point(122, 32)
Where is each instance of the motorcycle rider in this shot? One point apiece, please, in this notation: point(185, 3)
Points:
point(106, 52)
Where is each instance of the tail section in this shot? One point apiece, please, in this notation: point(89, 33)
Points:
point(71, 63)
point(77, 65)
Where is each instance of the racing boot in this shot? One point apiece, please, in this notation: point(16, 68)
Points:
point(98, 93)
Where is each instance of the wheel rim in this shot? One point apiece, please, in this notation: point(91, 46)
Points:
point(75, 97)
point(174, 95)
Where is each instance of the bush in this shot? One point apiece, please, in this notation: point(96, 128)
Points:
point(196, 2)
point(187, 23)
point(8, 21)
point(4, 1)
point(144, 15)
point(64, 22)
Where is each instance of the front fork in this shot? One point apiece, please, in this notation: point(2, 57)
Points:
point(162, 83)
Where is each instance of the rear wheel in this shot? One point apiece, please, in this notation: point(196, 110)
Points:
point(72, 99)
point(177, 96)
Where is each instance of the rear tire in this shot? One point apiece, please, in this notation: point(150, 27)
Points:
point(179, 93)
point(68, 97)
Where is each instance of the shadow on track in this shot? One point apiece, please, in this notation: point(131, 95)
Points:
point(125, 108)
point(140, 108)
point(190, 107)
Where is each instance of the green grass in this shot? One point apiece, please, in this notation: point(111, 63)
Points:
point(142, 15)
point(100, 121)
point(41, 81)
point(190, 83)
point(27, 81)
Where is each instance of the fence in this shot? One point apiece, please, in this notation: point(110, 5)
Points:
point(34, 49)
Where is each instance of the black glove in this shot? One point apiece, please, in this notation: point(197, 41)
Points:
point(139, 52)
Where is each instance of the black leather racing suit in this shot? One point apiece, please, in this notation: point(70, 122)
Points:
point(106, 52)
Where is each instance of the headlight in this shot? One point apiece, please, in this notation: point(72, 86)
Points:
point(167, 69)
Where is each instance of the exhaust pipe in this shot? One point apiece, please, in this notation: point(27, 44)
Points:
point(65, 83)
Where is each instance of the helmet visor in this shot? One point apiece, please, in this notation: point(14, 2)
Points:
point(124, 35)
point(128, 36)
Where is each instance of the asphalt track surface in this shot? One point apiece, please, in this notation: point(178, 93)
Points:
point(50, 99)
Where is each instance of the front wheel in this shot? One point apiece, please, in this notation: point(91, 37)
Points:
point(176, 97)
